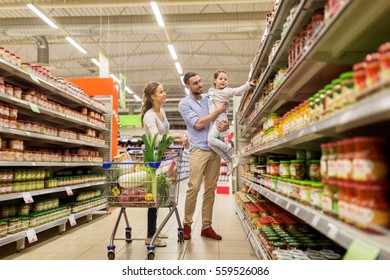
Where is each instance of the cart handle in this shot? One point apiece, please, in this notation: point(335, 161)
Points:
point(169, 148)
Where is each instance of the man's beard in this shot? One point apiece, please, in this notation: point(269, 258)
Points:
point(197, 92)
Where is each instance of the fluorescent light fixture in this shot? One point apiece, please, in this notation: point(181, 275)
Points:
point(95, 61)
point(115, 78)
point(187, 91)
point(182, 80)
point(157, 13)
point(136, 97)
point(172, 51)
point(77, 46)
point(42, 16)
point(129, 90)
point(178, 68)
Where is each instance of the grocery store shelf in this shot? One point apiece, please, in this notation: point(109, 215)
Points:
point(21, 235)
point(52, 164)
point(336, 230)
point(341, 121)
point(5, 197)
point(58, 118)
point(27, 135)
point(20, 77)
point(252, 237)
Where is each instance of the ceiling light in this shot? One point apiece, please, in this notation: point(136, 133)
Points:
point(136, 97)
point(96, 62)
point(157, 13)
point(77, 46)
point(182, 80)
point(42, 15)
point(178, 68)
point(129, 90)
point(172, 51)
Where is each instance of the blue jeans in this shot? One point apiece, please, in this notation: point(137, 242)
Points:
point(216, 144)
point(152, 221)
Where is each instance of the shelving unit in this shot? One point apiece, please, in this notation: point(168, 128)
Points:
point(343, 41)
point(48, 117)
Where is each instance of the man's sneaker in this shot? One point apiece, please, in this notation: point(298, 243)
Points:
point(158, 242)
point(235, 159)
point(187, 232)
point(229, 168)
point(210, 233)
point(162, 236)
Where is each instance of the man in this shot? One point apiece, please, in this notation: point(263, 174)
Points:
point(204, 163)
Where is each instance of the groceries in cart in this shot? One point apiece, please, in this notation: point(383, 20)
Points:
point(147, 179)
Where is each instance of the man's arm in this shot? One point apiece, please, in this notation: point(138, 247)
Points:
point(206, 120)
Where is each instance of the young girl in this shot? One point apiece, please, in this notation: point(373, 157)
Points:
point(221, 93)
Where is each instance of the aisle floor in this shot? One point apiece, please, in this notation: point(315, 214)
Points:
point(88, 241)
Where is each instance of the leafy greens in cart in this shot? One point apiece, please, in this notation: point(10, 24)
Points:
point(149, 152)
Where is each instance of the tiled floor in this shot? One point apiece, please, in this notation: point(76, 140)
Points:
point(88, 241)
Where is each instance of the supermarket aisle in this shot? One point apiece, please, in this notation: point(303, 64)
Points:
point(89, 240)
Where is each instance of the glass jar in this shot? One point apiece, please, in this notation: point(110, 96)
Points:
point(346, 194)
point(316, 194)
point(372, 205)
point(3, 229)
point(329, 101)
point(304, 192)
point(14, 225)
point(311, 110)
point(274, 168)
point(347, 88)
point(372, 69)
point(324, 160)
point(332, 160)
point(344, 159)
point(369, 160)
point(284, 169)
point(337, 99)
point(315, 170)
point(359, 79)
point(24, 223)
point(384, 60)
point(330, 197)
point(298, 169)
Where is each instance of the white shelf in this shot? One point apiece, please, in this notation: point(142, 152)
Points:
point(6, 197)
point(336, 230)
point(21, 235)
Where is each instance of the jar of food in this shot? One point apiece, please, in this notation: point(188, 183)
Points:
point(372, 69)
point(337, 98)
point(315, 170)
point(284, 169)
point(304, 192)
point(3, 229)
point(14, 225)
point(273, 168)
point(384, 60)
point(347, 88)
point(330, 197)
point(346, 208)
point(24, 223)
point(332, 160)
point(369, 160)
point(9, 90)
point(372, 205)
point(344, 159)
point(359, 79)
point(17, 92)
point(316, 194)
point(298, 169)
point(24, 210)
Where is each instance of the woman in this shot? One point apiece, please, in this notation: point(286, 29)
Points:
point(154, 121)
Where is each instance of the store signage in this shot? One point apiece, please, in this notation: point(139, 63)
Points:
point(31, 235)
point(34, 108)
point(27, 197)
point(104, 69)
point(33, 77)
point(72, 220)
point(69, 191)
point(122, 91)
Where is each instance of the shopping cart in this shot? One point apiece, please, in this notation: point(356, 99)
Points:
point(135, 183)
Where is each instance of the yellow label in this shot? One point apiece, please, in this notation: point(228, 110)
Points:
point(116, 191)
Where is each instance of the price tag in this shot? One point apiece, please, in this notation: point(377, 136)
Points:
point(34, 108)
point(33, 77)
point(296, 211)
point(69, 191)
point(332, 232)
point(27, 198)
point(31, 235)
point(315, 221)
point(72, 220)
point(288, 205)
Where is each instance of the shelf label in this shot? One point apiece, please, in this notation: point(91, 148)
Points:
point(288, 205)
point(34, 108)
point(72, 220)
point(27, 198)
point(296, 211)
point(33, 77)
point(315, 221)
point(332, 232)
point(69, 191)
point(360, 250)
point(31, 235)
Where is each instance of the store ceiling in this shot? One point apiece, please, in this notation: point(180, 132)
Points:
point(207, 36)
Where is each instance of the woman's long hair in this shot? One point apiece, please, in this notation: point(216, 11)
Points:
point(147, 101)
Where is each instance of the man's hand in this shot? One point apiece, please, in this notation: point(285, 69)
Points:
point(252, 83)
point(222, 125)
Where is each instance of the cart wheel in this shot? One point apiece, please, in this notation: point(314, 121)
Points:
point(128, 237)
point(151, 255)
point(180, 237)
point(111, 255)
